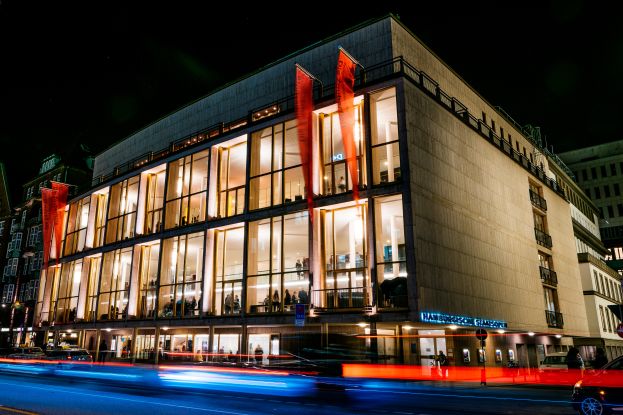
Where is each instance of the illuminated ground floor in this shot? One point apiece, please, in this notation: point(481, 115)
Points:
point(269, 343)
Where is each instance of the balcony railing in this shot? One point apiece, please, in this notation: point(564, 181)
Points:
point(340, 298)
point(542, 238)
point(554, 319)
point(537, 200)
point(548, 276)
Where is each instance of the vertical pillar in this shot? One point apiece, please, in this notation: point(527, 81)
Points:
point(244, 344)
point(157, 345)
point(134, 341)
point(98, 340)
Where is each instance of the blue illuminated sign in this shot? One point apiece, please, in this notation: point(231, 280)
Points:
point(438, 318)
point(338, 157)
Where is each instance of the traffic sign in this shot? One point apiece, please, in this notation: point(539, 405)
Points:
point(481, 334)
point(299, 315)
point(620, 330)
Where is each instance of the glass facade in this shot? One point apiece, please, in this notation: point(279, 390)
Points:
point(334, 171)
point(278, 274)
point(186, 190)
point(384, 133)
point(265, 261)
point(77, 221)
point(181, 276)
point(276, 175)
point(114, 284)
point(232, 169)
point(122, 210)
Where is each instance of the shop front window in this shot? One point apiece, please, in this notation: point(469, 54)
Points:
point(148, 277)
point(181, 276)
point(186, 190)
point(154, 197)
point(276, 174)
point(115, 284)
point(346, 282)
point(335, 174)
point(232, 179)
point(228, 269)
point(391, 262)
point(384, 132)
point(122, 210)
point(278, 263)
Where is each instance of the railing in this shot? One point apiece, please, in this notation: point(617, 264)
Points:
point(537, 200)
point(554, 319)
point(542, 238)
point(374, 73)
point(339, 298)
point(548, 276)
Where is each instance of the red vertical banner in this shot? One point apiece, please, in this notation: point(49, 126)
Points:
point(48, 217)
point(61, 202)
point(304, 105)
point(344, 96)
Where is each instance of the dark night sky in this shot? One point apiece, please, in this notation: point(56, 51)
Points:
point(94, 72)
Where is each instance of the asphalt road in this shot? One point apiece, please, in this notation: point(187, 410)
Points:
point(27, 395)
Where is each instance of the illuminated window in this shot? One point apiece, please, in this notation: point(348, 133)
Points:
point(228, 259)
point(384, 129)
point(186, 190)
point(94, 264)
point(275, 170)
point(65, 292)
point(335, 174)
point(77, 222)
point(181, 276)
point(154, 198)
point(114, 284)
point(148, 280)
point(122, 210)
point(232, 169)
point(278, 263)
point(346, 281)
point(99, 200)
point(390, 252)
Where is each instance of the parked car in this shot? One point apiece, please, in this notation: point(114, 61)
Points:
point(76, 355)
point(27, 353)
point(602, 392)
point(553, 362)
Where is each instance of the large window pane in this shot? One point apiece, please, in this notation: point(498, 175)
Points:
point(229, 257)
point(278, 263)
point(390, 252)
point(181, 276)
point(187, 190)
point(115, 284)
point(384, 126)
point(122, 210)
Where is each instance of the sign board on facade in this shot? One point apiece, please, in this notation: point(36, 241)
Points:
point(299, 315)
point(481, 334)
point(439, 318)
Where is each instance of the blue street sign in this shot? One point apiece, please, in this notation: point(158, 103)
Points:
point(299, 315)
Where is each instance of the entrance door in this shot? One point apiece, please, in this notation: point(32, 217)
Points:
point(430, 347)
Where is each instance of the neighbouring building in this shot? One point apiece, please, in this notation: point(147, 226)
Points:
point(601, 284)
point(598, 171)
point(5, 223)
point(195, 237)
point(23, 252)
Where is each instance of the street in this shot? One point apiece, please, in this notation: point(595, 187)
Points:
point(22, 394)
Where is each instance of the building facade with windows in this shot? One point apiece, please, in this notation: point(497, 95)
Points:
point(601, 284)
point(196, 239)
point(23, 252)
point(598, 171)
